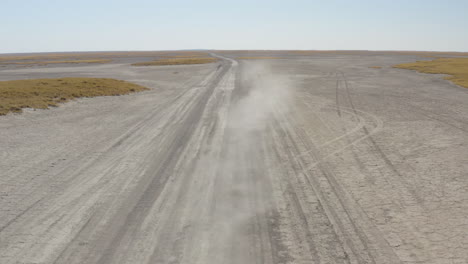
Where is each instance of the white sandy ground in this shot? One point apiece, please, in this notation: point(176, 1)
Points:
point(312, 160)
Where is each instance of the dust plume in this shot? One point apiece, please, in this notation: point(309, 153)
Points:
point(243, 192)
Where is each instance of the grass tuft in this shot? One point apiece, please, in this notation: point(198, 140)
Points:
point(45, 93)
point(177, 61)
point(457, 68)
point(375, 67)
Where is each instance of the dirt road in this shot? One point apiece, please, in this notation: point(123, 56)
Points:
point(309, 160)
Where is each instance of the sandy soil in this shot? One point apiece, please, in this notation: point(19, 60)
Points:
point(310, 159)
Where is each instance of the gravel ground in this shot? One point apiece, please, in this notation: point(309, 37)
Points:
point(304, 159)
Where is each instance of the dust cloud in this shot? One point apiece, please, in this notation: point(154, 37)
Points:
point(266, 94)
point(243, 195)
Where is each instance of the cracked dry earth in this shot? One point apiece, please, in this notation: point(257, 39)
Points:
point(298, 160)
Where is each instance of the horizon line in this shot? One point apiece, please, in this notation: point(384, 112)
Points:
point(338, 50)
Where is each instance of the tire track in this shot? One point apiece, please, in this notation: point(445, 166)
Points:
point(378, 149)
point(401, 185)
point(362, 249)
point(161, 171)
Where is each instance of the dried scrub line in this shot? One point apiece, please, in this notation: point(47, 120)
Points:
point(184, 55)
point(177, 61)
point(257, 58)
point(457, 68)
point(57, 62)
point(44, 93)
point(94, 55)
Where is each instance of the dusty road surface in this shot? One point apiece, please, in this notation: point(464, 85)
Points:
point(316, 159)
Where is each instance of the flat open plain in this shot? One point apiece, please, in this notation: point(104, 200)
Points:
point(308, 158)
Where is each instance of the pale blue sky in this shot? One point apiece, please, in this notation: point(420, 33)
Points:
point(94, 25)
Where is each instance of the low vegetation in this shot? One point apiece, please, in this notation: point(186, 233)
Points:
point(94, 55)
point(256, 58)
point(177, 61)
point(57, 62)
point(375, 67)
point(45, 93)
point(456, 68)
point(184, 55)
point(428, 54)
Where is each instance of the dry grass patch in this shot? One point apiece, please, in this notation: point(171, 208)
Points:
point(57, 62)
point(182, 56)
point(177, 61)
point(375, 67)
point(94, 55)
point(185, 54)
point(257, 58)
point(457, 68)
point(428, 54)
point(44, 93)
point(34, 57)
point(381, 52)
